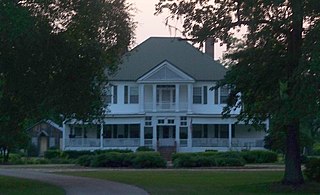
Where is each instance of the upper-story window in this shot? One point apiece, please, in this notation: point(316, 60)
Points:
point(221, 95)
point(200, 95)
point(131, 95)
point(111, 94)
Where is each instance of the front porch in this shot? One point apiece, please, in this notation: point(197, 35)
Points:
point(199, 137)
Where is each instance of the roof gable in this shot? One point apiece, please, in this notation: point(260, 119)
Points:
point(155, 50)
point(165, 72)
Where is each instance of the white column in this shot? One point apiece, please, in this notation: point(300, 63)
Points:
point(154, 97)
point(177, 125)
point(142, 133)
point(190, 134)
point(141, 97)
point(177, 97)
point(64, 136)
point(154, 133)
point(101, 135)
point(230, 136)
point(190, 94)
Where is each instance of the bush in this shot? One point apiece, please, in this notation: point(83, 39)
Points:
point(112, 150)
point(148, 160)
point(259, 156)
point(15, 159)
point(32, 150)
point(74, 154)
point(316, 149)
point(230, 162)
point(144, 149)
point(207, 159)
point(85, 160)
point(50, 154)
point(312, 170)
point(110, 159)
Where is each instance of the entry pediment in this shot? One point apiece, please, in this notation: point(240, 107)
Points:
point(165, 72)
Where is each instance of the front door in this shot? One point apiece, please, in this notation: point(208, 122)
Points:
point(166, 96)
point(166, 135)
point(43, 145)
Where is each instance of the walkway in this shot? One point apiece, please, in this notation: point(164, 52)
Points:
point(75, 185)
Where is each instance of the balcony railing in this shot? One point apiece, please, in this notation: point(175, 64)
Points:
point(166, 106)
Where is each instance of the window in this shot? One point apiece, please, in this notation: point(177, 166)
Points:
point(110, 93)
point(224, 93)
point(161, 121)
point(200, 95)
point(131, 95)
point(183, 121)
point(148, 121)
point(197, 91)
point(115, 94)
point(170, 121)
point(78, 131)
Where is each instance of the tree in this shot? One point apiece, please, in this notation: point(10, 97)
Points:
point(275, 64)
point(53, 59)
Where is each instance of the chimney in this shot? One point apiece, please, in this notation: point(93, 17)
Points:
point(209, 47)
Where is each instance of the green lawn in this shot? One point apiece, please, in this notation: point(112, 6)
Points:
point(202, 182)
point(17, 186)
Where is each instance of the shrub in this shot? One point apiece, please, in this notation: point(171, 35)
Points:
point(312, 170)
point(148, 160)
point(110, 159)
point(112, 150)
point(230, 162)
point(259, 156)
point(15, 159)
point(32, 150)
point(50, 154)
point(316, 149)
point(74, 154)
point(207, 159)
point(144, 149)
point(85, 160)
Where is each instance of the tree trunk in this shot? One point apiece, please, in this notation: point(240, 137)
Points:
point(293, 173)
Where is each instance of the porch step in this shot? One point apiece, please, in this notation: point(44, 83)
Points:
point(167, 151)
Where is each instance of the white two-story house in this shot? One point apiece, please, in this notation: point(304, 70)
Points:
point(161, 97)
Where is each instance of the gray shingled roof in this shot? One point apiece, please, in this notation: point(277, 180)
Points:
point(180, 53)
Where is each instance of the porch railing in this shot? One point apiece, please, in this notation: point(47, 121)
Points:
point(121, 142)
point(83, 142)
point(246, 143)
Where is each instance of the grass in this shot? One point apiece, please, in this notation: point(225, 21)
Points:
point(175, 182)
point(17, 186)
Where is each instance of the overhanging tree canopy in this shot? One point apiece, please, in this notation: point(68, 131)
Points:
point(275, 64)
point(53, 55)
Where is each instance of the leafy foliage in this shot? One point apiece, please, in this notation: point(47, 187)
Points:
point(312, 170)
point(54, 58)
point(274, 70)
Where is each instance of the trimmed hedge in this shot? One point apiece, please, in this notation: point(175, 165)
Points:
point(312, 170)
point(207, 159)
point(115, 159)
point(259, 156)
point(144, 149)
point(51, 154)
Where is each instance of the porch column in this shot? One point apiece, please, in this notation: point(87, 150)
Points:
point(154, 133)
point(177, 97)
point(190, 94)
point(101, 135)
point(154, 97)
point(230, 136)
point(142, 133)
point(190, 134)
point(141, 97)
point(64, 136)
point(177, 125)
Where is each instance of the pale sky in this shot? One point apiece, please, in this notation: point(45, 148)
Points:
point(149, 25)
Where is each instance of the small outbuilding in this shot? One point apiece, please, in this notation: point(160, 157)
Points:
point(45, 134)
